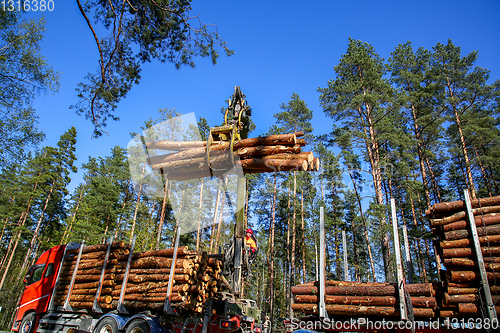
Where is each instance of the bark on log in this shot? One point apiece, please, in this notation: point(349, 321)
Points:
point(467, 252)
point(484, 240)
point(272, 164)
point(462, 291)
point(89, 264)
point(268, 151)
point(481, 231)
point(104, 291)
point(139, 278)
point(465, 262)
point(460, 298)
point(99, 247)
point(156, 288)
point(353, 310)
point(466, 276)
point(270, 140)
point(90, 285)
point(460, 215)
point(188, 271)
point(487, 219)
point(86, 278)
point(92, 271)
point(424, 289)
point(84, 298)
point(156, 262)
point(333, 283)
point(456, 205)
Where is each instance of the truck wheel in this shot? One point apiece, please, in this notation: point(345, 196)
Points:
point(28, 323)
point(138, 326)
point(107, 325)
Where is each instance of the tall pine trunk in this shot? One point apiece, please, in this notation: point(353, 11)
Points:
point(199, 217)
point(132, 229)
point(162, 217)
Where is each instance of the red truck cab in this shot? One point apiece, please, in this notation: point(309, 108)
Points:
point(38, 289)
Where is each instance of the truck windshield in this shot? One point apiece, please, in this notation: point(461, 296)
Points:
point(36, 275)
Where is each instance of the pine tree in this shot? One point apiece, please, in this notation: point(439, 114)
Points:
point(57, 174)
point(466, 91)
point(360, 98)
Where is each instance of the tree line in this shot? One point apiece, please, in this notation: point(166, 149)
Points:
point(418, 127)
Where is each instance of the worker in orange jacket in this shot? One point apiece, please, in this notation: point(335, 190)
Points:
point(250, 240)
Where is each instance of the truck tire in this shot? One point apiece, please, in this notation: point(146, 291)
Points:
point(138, 326)
point(107, 325)
point(28, 323)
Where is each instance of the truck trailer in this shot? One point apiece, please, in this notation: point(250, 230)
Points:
point(39, 310)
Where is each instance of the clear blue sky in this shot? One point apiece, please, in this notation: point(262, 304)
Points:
point(281, 47)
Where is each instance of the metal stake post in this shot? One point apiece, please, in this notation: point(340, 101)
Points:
point(66, 305)
point(120, 307)
point(344, 244)
point(409, 267)
point(322, 307)
point(167, 308)
point(399, 266)
point(492, 314)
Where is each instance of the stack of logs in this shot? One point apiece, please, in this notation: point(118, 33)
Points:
point(462, 280)
point(374, 299)
point(255, 155)
point(197, 276)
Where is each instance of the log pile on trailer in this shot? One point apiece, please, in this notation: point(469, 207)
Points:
point(197, 277)
point(373, 299)
point(255, 155)
point(462, 281)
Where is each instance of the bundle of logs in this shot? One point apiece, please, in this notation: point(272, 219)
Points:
point(197, 277)
point(255, 155)
point(360, 299)
point(462, 280)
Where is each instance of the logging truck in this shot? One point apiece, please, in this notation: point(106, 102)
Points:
point(40, 310)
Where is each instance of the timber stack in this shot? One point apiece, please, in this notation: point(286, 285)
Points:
point(462, 294)
point(364, 299)
point(196, 278)
point(188, 160)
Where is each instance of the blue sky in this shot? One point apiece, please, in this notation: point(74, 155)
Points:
point(281, 47)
